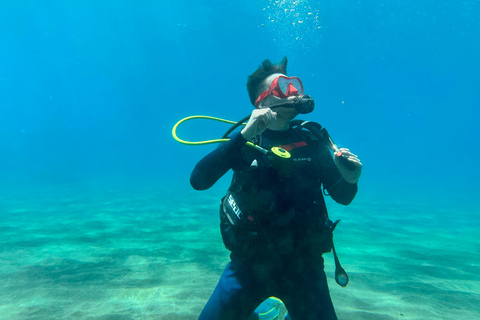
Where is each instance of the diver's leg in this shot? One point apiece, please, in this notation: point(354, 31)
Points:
point(235, 297)
point(307, 297)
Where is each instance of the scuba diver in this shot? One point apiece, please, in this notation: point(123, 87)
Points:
point(273, 217)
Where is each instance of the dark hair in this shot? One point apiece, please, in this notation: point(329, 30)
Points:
point(267, 68)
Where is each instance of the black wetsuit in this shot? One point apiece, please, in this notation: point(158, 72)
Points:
point(277, 229)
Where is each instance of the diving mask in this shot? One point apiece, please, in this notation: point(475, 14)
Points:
point(282, 87)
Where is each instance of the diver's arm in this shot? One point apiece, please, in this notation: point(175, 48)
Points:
point(214, 165)
point(341, 191)
point(338, 188)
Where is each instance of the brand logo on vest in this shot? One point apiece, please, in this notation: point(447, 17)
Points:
point(234, 206)
point(302, 159)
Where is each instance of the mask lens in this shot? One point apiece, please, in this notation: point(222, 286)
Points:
point(283, 84)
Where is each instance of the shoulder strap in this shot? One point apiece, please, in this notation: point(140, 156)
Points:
point(316, 129)
point(321, 134)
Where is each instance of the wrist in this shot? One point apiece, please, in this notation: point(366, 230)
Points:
point(350, 180)
point(245, 134)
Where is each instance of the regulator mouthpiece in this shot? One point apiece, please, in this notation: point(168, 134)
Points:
point(303, 104)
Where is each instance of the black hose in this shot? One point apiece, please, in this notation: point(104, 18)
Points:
point(303, 105)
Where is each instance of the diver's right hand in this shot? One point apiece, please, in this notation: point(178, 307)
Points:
point(258, 122)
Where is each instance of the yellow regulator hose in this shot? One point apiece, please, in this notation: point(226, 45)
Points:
point(278, 151)
point(197, 143)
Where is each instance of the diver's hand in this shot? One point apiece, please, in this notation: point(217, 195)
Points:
point(348, 164)
point(258, 122)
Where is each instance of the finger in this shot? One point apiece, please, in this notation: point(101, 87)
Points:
point(273, 116)
point(346, 151)
point(261, 116)
point(266, 119)
point(353, 165)
point(352, 160)
point(347, 154)
point(356, 164)
point(351, 156)
point(269, 117)
point(341, 151)
point(355, 161)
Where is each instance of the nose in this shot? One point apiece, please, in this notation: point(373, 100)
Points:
point(291, 90)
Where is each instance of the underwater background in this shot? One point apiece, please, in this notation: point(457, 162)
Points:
point(97, 217)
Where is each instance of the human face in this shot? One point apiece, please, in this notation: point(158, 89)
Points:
point(281, 87)
point(284, 115)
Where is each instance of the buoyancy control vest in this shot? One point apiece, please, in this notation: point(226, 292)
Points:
point(257, 217)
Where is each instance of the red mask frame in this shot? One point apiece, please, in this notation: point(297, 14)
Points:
point(282, 87)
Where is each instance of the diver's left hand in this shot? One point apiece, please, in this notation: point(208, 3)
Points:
point(348, 164)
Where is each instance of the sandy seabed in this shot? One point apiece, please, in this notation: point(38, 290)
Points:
point(158, 254)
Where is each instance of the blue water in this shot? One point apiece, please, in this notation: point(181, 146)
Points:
point(89, 93)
